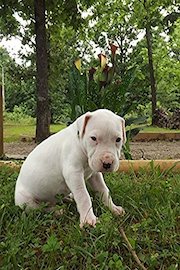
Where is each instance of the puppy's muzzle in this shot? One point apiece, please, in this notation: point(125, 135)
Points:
point(107, 161)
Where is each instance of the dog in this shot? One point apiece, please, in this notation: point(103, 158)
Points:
point(63, 163)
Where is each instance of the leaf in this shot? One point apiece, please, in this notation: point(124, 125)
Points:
point(102, 256)
point(132, 242)
point(132, 132)
point(51, 245)
point(103, 60)
point(113, 48)
point(78, 64)
point(127, 151)
point(136, 120)
point(110, 74)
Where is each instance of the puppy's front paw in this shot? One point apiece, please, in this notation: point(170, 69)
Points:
point(90, 219)
point(118, 210)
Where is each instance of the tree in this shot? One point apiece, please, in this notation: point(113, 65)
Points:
point(69, 35)
point(148, 16)
point(25, 11)
point(150, 60)
point(43, 114)
point(1, 123)
point(34, 15)
point(167, 64)
point(124, 20)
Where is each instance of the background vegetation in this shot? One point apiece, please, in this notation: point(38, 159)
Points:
point(83, 29)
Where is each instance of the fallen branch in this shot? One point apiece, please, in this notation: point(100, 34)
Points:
point(130, 248)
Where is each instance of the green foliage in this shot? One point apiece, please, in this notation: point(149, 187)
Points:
point(100, 87)
point(168, 70)
point(39, 240)
point(8, 24)
point(77, 93)
point(19, 84)
point(69, 35)
point(19, 115)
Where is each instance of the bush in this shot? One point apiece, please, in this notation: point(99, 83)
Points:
point(19, 115)
point(101, 86)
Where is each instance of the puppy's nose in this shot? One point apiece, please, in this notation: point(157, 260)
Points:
point(106, 165)
point(107, 161)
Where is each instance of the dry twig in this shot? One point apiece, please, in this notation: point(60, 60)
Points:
point(130, 248)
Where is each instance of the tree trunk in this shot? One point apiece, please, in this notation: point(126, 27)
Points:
point(42, 113)
point(151, 72)
point(1, 123)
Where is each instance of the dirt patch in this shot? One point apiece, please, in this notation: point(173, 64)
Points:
point(156, 150)
point(146, 137)
point(18, 149)
point(139, 150)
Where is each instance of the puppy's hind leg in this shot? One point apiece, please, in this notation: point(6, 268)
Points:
point(25, 200)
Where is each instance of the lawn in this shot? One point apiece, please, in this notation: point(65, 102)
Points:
point(13, 132)
point(42, 241)
point(159, 130)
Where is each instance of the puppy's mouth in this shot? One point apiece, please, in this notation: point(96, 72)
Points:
point(103, 169)
point(102, 165)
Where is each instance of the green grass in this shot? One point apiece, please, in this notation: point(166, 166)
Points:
point(159, 130)
point(41, 241)
point(13, 132)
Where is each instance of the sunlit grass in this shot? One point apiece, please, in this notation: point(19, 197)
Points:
point(159, 130)
point(14, 132)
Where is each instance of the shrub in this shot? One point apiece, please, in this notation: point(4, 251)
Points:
point(19, 115)
point(103, 87)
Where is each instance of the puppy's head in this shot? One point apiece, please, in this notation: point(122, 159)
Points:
point(102, 134)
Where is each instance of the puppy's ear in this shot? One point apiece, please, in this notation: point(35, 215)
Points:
point(82, 123)
point(86, 119)
point(123, 130)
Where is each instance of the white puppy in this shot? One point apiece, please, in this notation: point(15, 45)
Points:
point(62, 163)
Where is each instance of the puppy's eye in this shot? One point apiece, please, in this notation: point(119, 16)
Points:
point(93, 138)
point(118, 139)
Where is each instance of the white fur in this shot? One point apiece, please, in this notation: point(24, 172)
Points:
point(62, 163)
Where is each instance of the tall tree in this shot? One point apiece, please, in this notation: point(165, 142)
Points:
point(43, 114)
point(148, 16)
point(1, 123)
point(124, 20)
point(150, 60)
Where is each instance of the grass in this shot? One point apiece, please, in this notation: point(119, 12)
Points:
point(13, 132)
point(41, 241)
point(159, 130)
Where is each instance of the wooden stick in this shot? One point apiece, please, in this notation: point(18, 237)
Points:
point(130, 248)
